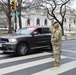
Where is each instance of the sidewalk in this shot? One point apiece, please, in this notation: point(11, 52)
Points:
point(68, 37)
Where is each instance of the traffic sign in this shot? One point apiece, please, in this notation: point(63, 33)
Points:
point(12, 13)
point(18, 13)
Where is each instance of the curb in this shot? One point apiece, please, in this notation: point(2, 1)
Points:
point(68, 37)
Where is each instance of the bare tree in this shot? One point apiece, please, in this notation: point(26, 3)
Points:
point(23, 5)
point(3, 22)
point(50, 6)
point(5, 6)
point(53, 7)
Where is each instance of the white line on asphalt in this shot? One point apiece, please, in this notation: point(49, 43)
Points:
point(3, 55)
point(58, 70)
point(68, 50)
point(1, 51)
point(71, 57)
point(25, 65)
point(23, 57)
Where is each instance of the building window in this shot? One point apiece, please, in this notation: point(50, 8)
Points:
point(70, 20)
point(65, 20)
point(38, 22)
point(28, 22)
point(74, 21)
point(38, 11)
point(45, 22)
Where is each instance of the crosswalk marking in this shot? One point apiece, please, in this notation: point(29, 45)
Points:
point(58, 70)
point(23, 57)
point(69, 51)
point(23, 66)
point(26, 65)
point(3, 55)
point(1, 51)
point(33, 63)
point(71, 57)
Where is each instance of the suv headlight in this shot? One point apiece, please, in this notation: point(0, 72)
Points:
point(12, 40)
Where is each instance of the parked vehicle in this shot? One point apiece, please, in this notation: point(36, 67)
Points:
point(26, 39)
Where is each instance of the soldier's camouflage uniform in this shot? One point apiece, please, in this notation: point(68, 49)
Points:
point(56, 42)
point(52, 31)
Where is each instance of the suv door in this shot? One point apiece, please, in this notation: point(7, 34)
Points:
point(41, 38)
point(35, 38)
point(45, 37)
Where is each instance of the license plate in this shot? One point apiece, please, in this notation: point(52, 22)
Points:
point(0, 45)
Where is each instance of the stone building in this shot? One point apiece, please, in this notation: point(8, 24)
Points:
point(37, 17)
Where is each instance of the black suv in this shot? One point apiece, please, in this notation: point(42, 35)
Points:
point(26, 39)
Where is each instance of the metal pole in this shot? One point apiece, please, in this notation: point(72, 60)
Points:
point(15, 22)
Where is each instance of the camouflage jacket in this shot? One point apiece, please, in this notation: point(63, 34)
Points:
point(52, 31)
point(57, 37)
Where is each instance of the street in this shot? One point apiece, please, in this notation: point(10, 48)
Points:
point(40, 62)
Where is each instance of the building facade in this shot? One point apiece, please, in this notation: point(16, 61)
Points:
point(38, 17)
point(33, 17)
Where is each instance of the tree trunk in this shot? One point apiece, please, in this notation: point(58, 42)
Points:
point(9, 22)
point(61, 24)
point(9, 17)
point(62, 29)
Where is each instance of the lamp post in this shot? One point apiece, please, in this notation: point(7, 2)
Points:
point(15, 22)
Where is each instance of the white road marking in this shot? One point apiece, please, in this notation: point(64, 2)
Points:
point(1, 51)
point(3, 55)
point(57, 70)
point(51, 71)
point(68, 50)
point(26, 65)
point(22, 57)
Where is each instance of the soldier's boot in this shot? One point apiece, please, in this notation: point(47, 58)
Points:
point(52, 55)
point(56, 64)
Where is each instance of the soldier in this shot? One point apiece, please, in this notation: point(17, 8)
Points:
point(56, 43)
point(52, 31)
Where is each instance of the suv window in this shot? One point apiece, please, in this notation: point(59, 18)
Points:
point(45, 30)
point(38, 31)
point(42, 30)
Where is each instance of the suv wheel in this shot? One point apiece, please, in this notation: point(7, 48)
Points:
point(22, 49)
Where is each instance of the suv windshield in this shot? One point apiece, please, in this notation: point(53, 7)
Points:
point(25, 31)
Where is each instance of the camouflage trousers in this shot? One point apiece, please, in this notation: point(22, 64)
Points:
point(57, 52)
